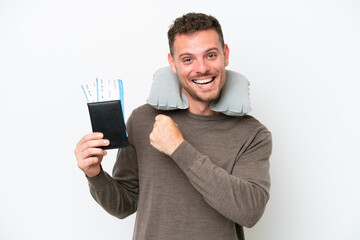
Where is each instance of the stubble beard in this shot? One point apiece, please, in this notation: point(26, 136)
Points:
point(196, 97)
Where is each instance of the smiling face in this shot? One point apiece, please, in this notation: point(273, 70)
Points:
point(199, 60)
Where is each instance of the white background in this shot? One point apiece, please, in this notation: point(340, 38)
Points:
point(301, 57)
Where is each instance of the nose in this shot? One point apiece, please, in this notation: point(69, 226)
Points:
point(201, 66)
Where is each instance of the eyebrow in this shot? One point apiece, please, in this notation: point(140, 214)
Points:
point(212, 49)
point(208, 50)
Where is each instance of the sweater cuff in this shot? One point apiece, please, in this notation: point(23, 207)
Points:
point(185, 155)
point(99, 180)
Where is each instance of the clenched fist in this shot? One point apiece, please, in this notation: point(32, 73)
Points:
point(166, 135)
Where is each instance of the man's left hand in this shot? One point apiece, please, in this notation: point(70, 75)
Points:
point(166, 135)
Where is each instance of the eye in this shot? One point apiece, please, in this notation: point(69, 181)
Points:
point(186, 60)
point(211, 55)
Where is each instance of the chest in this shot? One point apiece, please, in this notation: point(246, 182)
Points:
point(221, 141)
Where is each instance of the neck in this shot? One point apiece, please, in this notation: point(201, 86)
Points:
point(200, 108)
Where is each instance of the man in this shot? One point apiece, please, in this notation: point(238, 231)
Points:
point(189, 174)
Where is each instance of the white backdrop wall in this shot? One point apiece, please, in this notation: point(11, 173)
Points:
point(301, 57)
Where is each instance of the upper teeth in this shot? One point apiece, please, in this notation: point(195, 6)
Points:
point(202, 81)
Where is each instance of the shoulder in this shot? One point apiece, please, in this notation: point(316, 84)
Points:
point(144, 114)
point(253, 122)
point(140, 122)
point(251, 125)
point(145, 110)
point(255, 133)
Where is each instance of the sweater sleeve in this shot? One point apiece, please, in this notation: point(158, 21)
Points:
point(118, 194)
point(241, 195)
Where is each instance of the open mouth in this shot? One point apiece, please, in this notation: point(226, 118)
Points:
point(203, 81)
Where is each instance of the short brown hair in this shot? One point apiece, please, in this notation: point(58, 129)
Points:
point(193, 22)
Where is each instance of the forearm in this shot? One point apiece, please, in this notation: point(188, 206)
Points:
point(112, 196)
point(241, 196)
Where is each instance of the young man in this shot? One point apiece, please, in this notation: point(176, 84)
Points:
point(189, 174)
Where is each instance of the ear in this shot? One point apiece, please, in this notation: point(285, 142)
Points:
point(226, 54)
point(172, 63)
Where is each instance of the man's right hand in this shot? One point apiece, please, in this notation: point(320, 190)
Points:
point(89, 155)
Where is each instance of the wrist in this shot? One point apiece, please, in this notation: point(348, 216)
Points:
point(175, 146)
point(93, 173)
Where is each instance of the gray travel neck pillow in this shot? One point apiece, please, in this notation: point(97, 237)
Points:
point(166, 94)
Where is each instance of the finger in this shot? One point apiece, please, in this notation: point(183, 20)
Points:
point(93, 144)
point(91, 152)
point(91, 136)
point(86, 163)
point(156, 124)
point(159, 117)
point(152, 140)
point(151, 136)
